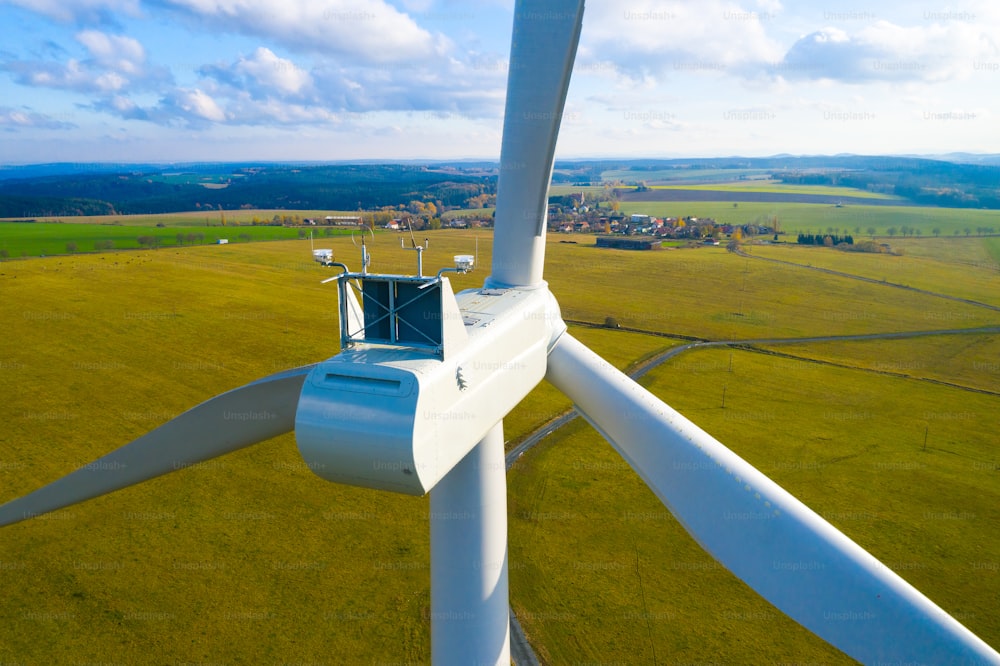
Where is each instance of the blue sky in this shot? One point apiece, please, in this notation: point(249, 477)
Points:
point(221, 80)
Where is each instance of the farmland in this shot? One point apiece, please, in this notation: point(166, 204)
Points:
point(251, 558)
point(777, 187)
point(816, 218)
point(43, 239)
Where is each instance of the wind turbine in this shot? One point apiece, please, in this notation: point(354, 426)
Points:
point(415, 400)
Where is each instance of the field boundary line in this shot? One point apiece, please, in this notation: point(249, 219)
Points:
point(829, 271)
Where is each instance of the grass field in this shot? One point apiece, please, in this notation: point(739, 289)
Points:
point(253, 559)
point(712, 293)
point(604, 572)
point(681, 175)
point(980, 277)
point(43, 238)
point(814, 218)
point(205, 218)
point(780, 188)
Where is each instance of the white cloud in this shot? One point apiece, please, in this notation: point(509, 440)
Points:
point(114, 63)
point(193, 105)
point(883, 51)
point(369, 31)
point(650, 37)
point(116, 52)
point(81, 11)
point(268, 70)
point(15, 119)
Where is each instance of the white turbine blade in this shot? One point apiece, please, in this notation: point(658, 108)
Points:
point(542, 51)
point(778, 546)
point(234, 420)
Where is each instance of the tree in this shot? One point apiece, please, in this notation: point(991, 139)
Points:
point(891, 231)
point(180, 238)
point(71, 247)
point(435, 222)
point(871, 231)
point(936, 231)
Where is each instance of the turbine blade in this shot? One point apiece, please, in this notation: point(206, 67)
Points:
point(234, 420)
point(830, 585)
point(543, 47)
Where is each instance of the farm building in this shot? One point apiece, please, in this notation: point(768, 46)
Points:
point(629, 242)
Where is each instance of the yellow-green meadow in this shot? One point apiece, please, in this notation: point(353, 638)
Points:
point(250, 558)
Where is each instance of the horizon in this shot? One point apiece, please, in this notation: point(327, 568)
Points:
point(496, 159)
point(103, 81)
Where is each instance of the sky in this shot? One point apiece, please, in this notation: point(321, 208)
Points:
point(312, 80)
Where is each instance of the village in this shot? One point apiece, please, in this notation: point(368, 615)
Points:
point(569, 215)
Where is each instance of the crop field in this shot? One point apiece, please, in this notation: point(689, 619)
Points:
point(253, 559)
point(202, 218)
point(39, 239)
point(818, 218)
point(651, 176)
point(603, 571)
point(780, 188)
point(709, 292)
point(980, 279)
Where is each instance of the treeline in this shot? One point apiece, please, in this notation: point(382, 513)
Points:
point(338, 187)
point(922, 181)
point(830, 240)
point(42, 206)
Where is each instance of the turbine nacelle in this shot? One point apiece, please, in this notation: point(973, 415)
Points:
point(423, 377)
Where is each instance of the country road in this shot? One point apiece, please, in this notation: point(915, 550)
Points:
point(521, 652)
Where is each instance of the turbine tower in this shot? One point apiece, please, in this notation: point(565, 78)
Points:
point(415, 400)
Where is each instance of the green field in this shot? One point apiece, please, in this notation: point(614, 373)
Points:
point(815, 218)
point(681, 175)
point(43, 239)
point(780, 188)
point(980, 279)
point(475, 213)
point(601, 569)
point(253, 559)
point(709, 292)
point(203, 218)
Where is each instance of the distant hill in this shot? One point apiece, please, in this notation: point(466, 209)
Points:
point(956, 180)
point(178, 188)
